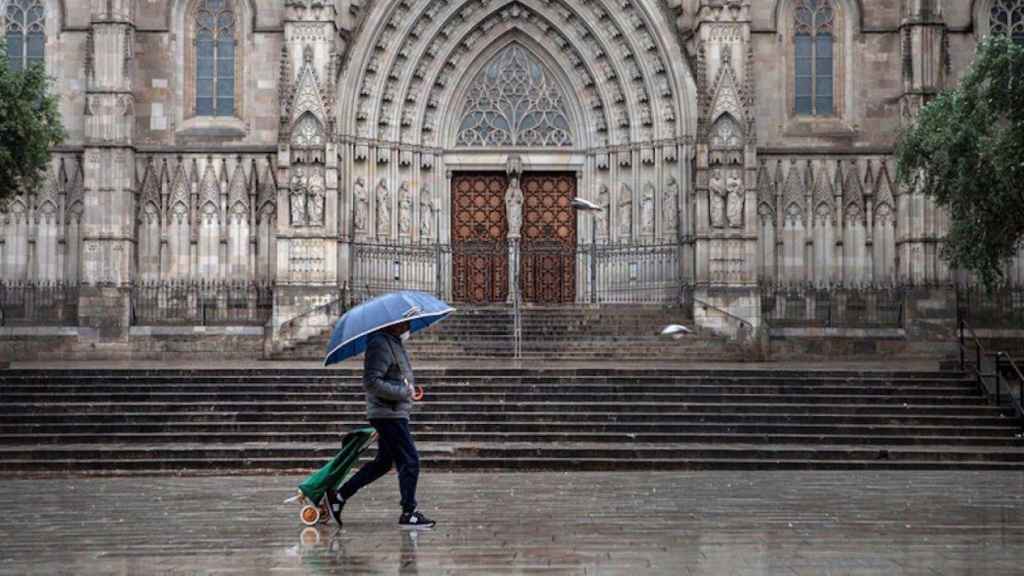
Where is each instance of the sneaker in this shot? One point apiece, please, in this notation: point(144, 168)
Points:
point(415, 521)
point(334, 505)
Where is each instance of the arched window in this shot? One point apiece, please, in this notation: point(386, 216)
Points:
point(26, 34)
point(815, 71)
point(215, 58)
point(1008, 18)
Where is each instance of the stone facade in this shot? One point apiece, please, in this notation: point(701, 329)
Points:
point(263, 139)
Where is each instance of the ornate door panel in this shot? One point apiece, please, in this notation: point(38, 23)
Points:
point(547, 273)
point(479, 229)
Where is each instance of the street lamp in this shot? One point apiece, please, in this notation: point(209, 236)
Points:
point(588, 207)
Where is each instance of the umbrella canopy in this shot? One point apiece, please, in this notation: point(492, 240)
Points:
point(353, 329)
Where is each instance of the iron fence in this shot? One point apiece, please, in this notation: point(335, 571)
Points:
point(380, 268)
point(634, 273)
point(204, 303)
point(38, 304)
point(832, 307)
point(997, 308)
point(637, 274)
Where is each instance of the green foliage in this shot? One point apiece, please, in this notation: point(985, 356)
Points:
point(30, 124)
point(967, 152)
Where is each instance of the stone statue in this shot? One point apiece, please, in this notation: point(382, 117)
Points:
point(647, 209)
point(625, 211)
point(734, 200)
point(315, 199)
point(717, 199)
point(404, 209)
point(297, 198)
point(514, 207)
point(603, 216)
point(383, 209)
point(362, 199)
point(670, 204)
point(426, 214)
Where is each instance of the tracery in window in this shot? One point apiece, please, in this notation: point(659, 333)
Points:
point(1008, 18)
point(25, 22)
point(814, 43)
point(514, 101)
point(215, 58)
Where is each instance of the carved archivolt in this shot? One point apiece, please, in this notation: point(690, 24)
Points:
point(410, 66)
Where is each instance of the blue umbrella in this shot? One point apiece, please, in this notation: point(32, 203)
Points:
point(353, 329)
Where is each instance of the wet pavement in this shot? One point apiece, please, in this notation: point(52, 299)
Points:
point(713, 523)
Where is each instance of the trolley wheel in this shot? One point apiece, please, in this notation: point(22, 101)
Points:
point(310, 536)
point(310, 515)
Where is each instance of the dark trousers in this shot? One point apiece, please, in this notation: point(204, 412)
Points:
point(394, 446)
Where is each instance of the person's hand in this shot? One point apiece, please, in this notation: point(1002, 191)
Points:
point(412, 391)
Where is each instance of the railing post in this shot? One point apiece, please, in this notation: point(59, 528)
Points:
point(999, 399)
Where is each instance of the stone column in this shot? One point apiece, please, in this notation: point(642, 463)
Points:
point(108, 254)
point(726, 190)
point(309, 231)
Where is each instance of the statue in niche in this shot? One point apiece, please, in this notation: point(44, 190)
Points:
point(625, 211)
point(647, 209)
point(315, 198)
point(734, 200)
point(514, 206)
point(604, 215)
point(716, 197)
point(426, 214)
point(670, 204)
point(298, 198)
point(383, 209)
point(404, 209)
point(362, 204)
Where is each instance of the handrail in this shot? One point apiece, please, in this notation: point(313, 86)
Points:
point(979, 350)
point(1015, 402)
point(723, 311)
point(337, 305)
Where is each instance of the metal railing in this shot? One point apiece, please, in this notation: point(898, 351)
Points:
point(631, 273)
point(203, 303)
point(999, 307)
point(38, 304)
point(1001, 363)
point(788, 306)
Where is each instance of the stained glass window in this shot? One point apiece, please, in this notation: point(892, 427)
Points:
point(26, 34)
point(513, 101)
point(814, 44)
point(215, 58)
point(1008, 18)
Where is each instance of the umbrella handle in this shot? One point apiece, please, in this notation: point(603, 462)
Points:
point(418, 393)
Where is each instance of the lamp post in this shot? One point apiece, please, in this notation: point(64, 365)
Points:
point(587, 207)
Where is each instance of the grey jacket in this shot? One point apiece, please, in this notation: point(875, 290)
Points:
point(385, 369)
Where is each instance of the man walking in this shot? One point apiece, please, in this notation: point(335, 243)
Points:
point(389, 384)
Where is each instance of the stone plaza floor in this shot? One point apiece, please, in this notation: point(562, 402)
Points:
point(714, 523)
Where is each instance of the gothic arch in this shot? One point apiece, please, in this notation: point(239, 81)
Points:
point(848, 16)
point(645, 93)
point(981, 15)
point(175, 9)
point(853, 13)
point(56, 16)
point(182, 30)
point(449, 122)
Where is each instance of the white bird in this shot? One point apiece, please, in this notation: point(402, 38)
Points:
point(676, 331)
point(584, 204)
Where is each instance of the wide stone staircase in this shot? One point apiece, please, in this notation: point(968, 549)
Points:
point(534, 418)
point(564, 333)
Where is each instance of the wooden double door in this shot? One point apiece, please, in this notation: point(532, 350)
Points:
point(480, 248)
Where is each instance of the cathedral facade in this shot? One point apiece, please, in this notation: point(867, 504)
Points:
point(319, 145)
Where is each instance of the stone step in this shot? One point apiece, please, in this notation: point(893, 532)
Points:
point(962, 398)
point(502, 455)
point(328, 391)
point(426, 434)
point(995, 418)
point(597, 371)
point(111, 432)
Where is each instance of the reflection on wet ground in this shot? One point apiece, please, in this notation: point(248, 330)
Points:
point(714, 523)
